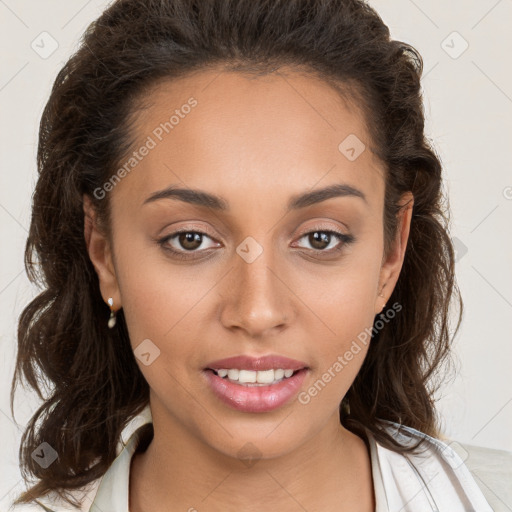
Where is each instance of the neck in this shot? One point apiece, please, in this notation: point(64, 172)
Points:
point(330, 471)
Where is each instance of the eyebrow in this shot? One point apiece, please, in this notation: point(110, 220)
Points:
point(206, 199)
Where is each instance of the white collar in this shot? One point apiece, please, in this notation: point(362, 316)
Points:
point(433, 480)
point(436, 480)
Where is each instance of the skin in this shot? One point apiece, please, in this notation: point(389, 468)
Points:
point(256, 142)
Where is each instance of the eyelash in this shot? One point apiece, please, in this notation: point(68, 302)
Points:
point(342, 237)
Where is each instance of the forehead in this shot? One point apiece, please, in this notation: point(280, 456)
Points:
point(227, 132)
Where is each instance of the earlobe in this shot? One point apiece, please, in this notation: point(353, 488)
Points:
point(100, 254)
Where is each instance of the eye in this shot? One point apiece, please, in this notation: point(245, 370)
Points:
point(185, 241)
point(321, 239)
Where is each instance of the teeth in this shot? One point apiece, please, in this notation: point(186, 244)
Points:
point(247, 376)
point(279, 374)
point(261, 377)
point(233, 374)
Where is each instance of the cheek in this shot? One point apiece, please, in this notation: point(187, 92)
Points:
point(344, 298)
point(155, 294)
point(342, 352)
point(340, 348)
point(342, 307)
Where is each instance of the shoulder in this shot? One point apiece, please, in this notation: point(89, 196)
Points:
point(474, 475)
point(492, 470)
point(86, 495)
point(27, 507)
point(52, 502)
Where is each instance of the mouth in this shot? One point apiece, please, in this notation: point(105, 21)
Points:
point(250, 384)
point(253, 378)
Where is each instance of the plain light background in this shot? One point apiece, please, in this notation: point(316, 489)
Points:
point(466, 49)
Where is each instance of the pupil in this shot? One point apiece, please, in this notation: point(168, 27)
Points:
point(320, 239)
point(190, 240)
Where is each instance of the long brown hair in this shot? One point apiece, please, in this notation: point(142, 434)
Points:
point(95, 386)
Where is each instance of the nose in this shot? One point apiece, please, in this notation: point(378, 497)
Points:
point(257, 297)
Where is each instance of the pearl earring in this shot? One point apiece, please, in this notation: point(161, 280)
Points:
point(380, 295)
point(112, 319)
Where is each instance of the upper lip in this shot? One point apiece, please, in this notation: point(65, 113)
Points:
point(269, 362)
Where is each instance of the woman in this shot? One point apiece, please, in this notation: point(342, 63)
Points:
point(240, 230)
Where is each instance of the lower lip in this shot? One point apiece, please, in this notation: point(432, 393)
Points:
point(255, 398)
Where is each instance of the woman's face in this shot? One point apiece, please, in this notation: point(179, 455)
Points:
point(258, 273)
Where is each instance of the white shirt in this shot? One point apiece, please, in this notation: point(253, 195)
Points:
point(437, 481)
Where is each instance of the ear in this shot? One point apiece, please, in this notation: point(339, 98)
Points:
point(392, 265)
point(100, 254)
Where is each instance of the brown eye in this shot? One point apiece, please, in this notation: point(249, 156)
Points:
point(185, 244)
point(321, 239)
point(190, 240)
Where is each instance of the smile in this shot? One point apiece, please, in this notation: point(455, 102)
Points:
point(246, 395)
point(254, 378)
